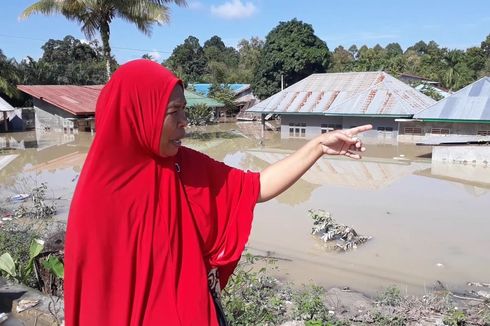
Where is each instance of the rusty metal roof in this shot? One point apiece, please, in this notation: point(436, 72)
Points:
point(471, 103)
point(351, 93)
point(77, 100)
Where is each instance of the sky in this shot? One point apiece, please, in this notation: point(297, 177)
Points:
point(454, 24)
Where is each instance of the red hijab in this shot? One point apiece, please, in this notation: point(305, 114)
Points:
point(144, 231)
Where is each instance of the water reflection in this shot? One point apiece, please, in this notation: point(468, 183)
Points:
point(420, 213)
point(474, 178)
point(369, 173)
point(53, 158)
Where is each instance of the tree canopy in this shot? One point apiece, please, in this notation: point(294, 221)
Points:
point(293, 51)
point(96, 16)
point(67, 61)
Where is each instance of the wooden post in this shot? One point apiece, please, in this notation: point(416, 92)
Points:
point(5, 121)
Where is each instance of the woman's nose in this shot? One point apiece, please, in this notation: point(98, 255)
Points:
point(183, 119)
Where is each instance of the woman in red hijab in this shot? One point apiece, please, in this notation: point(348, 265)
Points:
point(152, 223)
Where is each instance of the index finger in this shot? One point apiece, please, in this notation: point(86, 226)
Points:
point(356, 130)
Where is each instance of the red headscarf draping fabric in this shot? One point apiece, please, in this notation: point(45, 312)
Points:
point(143, 231)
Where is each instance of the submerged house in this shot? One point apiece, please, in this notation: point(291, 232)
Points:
point(464, 113)
point(458, 127)
point(10, 117)
point(71, 108)
point(329, 101)
point(243, 97)
point(194, 99)
point(63, 107)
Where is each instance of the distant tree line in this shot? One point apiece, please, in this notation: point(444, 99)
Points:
point(290, 52)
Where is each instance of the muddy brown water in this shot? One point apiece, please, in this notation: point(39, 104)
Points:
point(428, 221)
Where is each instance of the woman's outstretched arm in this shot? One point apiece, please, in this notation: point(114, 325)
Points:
point(281, 175)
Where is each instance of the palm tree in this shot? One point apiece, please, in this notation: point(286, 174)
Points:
point(9, 76)
point(96, 16)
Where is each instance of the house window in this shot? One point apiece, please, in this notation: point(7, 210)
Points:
point(297, 129)
point(483, 132)
point(327, 127)
point(439, 131)
point(385, 130)
point(412, 130)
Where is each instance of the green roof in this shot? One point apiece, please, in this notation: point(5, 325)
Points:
point(196, 99)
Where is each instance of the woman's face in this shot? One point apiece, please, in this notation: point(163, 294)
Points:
point(175, 122)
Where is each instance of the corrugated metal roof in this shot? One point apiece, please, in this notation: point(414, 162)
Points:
point(81, 100)
point(196, 99)
point(77, 100)
point(5, 106)
point(469, 103)
point(351, 93)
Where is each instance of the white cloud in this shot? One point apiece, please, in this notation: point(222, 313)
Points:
point(234, 9)
point(155, 55)
point(195, 5)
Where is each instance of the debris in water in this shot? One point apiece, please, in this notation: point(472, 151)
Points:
point(478, 284)
point(19, 197)
point(328, 229)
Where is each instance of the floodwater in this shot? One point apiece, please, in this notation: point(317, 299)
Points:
point(428, 221)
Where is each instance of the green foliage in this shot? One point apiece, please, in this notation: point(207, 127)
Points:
point(17, 244)
point(381, 319)
point(391, 296)
point(18, 269)
point(214, 62)
point(342, 60)
point(293, 51)
point(7, 264)
point(455, 318)
point(222, 93)
point(199, 115)
point(55, 266)
point(187, 61)
point(309, 304)
point(67, 61)
point(431, 92)
point(249, 52)
point(96, 16)
point(9, 76)
point(253, 297)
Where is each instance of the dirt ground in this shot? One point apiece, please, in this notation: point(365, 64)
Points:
point(440, 307)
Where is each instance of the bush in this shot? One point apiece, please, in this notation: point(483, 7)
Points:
point(390, 297)
point(253, 297)
point(309, 304)
point(199, 115)
point(17, 244)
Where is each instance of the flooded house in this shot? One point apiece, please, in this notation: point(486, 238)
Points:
point(458, 126)
point(194, 99)
point(10, 117)
point(243, 99)
point(71, 108)
point(66, 108)
point(328, 101)
point(464, 113)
